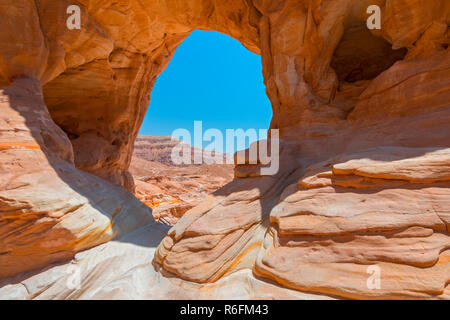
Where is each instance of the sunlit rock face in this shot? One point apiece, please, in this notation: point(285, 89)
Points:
point(363, 185)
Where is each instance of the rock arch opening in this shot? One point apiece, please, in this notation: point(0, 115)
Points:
point(212, 81)
point(213, 78)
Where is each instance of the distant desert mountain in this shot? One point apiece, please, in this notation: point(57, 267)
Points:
point(159, 149)
point(171, 190)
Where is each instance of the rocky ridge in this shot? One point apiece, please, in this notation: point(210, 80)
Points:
point(171, 190)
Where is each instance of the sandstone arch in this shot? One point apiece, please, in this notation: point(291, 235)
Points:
point(359, 184)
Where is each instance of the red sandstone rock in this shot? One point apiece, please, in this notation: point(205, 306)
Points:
point(49, 209)
point(364, 118)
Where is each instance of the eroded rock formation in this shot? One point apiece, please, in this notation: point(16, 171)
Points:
point(364, 165)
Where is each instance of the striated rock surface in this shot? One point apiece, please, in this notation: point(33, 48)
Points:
point(159, 149)
point(49, 209)
point(364, 165)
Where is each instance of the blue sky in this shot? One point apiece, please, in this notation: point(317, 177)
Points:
point(211, 78)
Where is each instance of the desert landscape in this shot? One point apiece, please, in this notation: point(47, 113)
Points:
point(360, 205)
point(170, 189)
